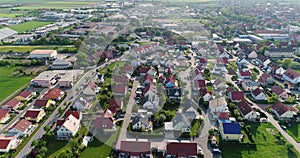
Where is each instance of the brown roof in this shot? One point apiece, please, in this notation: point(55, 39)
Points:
point(134, 148)
point(12, 103)
point(3, 113)
point(277, 90)
point(41, 102)
point(291, 73)
point(101, 122)
point(280, 108)
point(120, 89)
point(32, 113)
point(237, 95)
point(4, 141)
point(76, 114)
point(42, 52)
point(25, 94)
point(244, 107)
point(223, 115)
point(199, 83)
point(22, 125)
point(257, 91)
point(263, 78)
point(54, 93)
point(182, 149)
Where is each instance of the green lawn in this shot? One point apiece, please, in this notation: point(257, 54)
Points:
point(294, 131)
point(11, 80)
point(23, 27)
point(5, 49)
point(266, 144)
point(97, 149)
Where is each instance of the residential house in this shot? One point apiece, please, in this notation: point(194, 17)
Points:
point(34, 115)
point(252, 55)
point(217, 105)
point(244, 74)
point(282, 94)
point(263, 60)
point(280, 52)
point(4, 114)
point(178, 125)
point(146, 80)
point(174, 93)
point(223, 117)
point(203, 62)
point(12, 104)
point(120, 90)
point(103, 122)
point(236, 96)
point(42, 103)
point(7, 143)
point(198, 84)
point(26, 95)
point(116, 103)
point(258, 95)
point(141, 121)
point(282, 111)
point(205, 94)
point(22, 128)
point(82, 104)
point(98, 78)
point(134, 149)
point(67, 128)
point(275, 68)
point(181, 149)
point(127, 69)
point(150, 101)
point(249, 85)
point(91, 89)
point(231, 131)
point(189, 112)
point(219, 84)
point(246, 111)
point(54, 94)
point(291, 76)
point(266, 79)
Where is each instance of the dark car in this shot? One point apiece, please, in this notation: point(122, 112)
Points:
point(216, 151)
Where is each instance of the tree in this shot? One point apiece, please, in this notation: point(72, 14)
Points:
point(122, 49)
point(34, 143)
point(47, 128)
point(60, 110)
point(78, 43)
point(286, 62)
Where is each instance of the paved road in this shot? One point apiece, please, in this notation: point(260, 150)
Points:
point(127, 117)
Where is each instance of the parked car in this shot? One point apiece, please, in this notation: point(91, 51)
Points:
point(263, 120)
point(216, 151)
point(200, 151)
point(283, 127)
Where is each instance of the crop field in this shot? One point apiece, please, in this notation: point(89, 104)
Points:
point(28, 26)
point(11, 80)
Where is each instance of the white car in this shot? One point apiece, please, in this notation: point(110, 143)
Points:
point(200, 151)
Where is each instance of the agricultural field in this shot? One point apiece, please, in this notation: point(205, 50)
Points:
point(23, 27)
point(11, 79)
point(268, 142)
point(18, 49)
point(294, 131)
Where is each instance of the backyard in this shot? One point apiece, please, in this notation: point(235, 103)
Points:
point(294, 131)
point(11, 79)
point(268, 142)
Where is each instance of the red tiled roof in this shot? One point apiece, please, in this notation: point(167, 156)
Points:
point(263, 78)
point(116, 103)
point(237, 95)
point(4, 143)
point(277, 90)
point(245, 73)
point(121, 79)
point(3, 113)
point(76, 114)
point(59, 122)
point(223, 115)
point(203, 91)
point(244, 107)
point(199, 83)
point(54, 93)
point(182, 149)
point(257, 91)
point(41, 102)
point(134, 148)
point(22, 125)
point(280, 108)
point(144, 69)
point(25, 94)
point(291, 73)
point(12, 103)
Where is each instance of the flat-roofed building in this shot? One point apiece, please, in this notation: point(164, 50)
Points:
point(45, 79)
point(43, 54)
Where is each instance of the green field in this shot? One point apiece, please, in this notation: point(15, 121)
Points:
point(5, 49)
point(23, 27)
point(11, 81)
point(268, 143)
point(294, 131)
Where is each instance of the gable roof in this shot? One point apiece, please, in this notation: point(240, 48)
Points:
point(217, 102)
point(53, 93)
point(244, 107)
point(12, 103)
point(182, 149)
point(25, 94)
point(40, 102)
point(263, 78)
point(245, 73)
point(101, 122)
point(257, 91)
point(22, 125)
point(237, 95)
point(122, 79)
point(199, 83)
point(231, 128)
point(291, 73)
point(5, 141)
point(120, 89)
point(76, 114)
point(223, 115)
point(116, 103)
point(3, 113)
point(135, 148)
point(280, 108)
point(71, 123)
point(32, 113)
point(277, 90)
